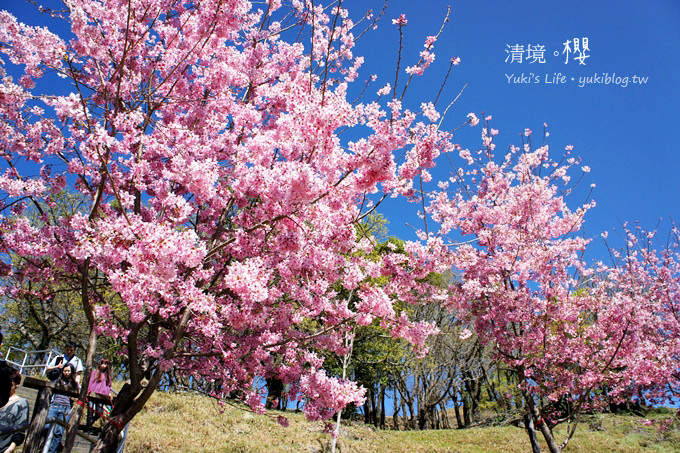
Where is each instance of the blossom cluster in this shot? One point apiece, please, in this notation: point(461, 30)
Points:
point(217, 202)
point(568, 329)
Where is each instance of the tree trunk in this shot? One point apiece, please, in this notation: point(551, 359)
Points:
point(367, 407)
point(459, 421)
point(383, 387)
point(466, 411)
point(436, 418)
point(128, 403)
point(542, 425)
point(374, 409)
point(477, 399)
point(456, 409)
point(274, 393)
point(473, 390)
point(531, 431)
point(108, 439)
point(40, 410)
point(349, 344)
point(78, 409)
point(422, 418)
point(395, 412)
point(444, 417)
point(411, 415)
point(427, 417)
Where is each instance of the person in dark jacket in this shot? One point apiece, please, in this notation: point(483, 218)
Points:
point(5, 379)
point(13, 415)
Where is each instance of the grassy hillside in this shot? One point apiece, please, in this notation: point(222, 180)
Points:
point(182, 423)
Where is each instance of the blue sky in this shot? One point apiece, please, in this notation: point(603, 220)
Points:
point(625, 134)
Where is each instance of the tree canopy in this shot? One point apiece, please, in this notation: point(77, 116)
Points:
point(220, 230)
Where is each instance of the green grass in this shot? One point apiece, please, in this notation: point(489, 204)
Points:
point(183, 423)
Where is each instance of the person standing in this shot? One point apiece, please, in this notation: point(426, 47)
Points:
point(60, 407)
point(100, 383)
point(69, 357)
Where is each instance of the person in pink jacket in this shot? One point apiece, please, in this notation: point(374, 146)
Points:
point(100, 383)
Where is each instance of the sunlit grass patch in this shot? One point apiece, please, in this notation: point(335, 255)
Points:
point(189, 423)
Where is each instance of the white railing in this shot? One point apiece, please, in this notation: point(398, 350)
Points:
point(21, 359)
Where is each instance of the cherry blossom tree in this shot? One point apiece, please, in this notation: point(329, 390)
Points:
point(222, 202)
point(567, 330)
point(222, 205)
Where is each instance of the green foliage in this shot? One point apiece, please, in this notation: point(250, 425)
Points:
point(374, 225)
point(45, 315)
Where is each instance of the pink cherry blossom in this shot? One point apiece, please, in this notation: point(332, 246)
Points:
point(465, 334)
point(472, 118)
point(564, 337)
point(400, 21)
point(219, 199)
